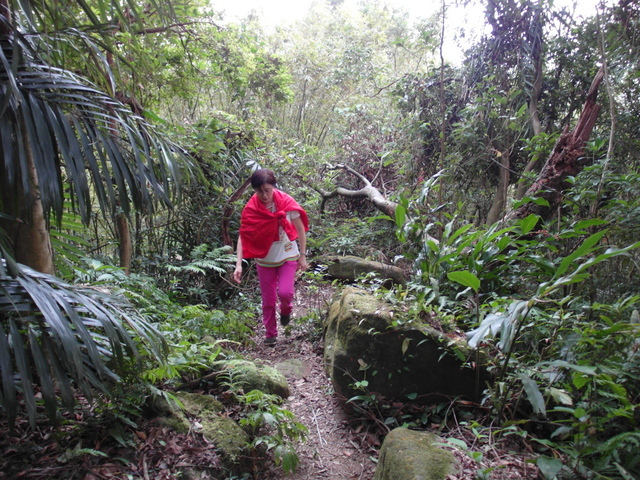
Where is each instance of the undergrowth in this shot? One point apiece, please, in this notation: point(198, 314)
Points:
point(566, 367)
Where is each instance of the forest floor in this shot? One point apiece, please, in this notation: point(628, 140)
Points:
point(341, 446)
point(338, 445)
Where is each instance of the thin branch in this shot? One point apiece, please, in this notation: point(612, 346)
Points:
point(612, 113)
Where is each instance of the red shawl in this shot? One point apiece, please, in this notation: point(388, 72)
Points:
point(259, 226)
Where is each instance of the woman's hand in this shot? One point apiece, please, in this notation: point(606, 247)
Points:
point(302, 243)
point(302, 263)
point(237, 274)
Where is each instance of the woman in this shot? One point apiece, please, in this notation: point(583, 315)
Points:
point(270, 224)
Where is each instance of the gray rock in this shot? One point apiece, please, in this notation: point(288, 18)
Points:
point(252, 376)
point(406, 358)
point(411, 455)
point(292, 368)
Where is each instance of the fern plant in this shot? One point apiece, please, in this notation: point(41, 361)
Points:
point(203, 260)
point(273, 427)
point(193, 280)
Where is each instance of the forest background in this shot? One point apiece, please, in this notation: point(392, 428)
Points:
point(129, 130)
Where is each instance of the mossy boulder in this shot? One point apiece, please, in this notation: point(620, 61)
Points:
point(411, 455)
point(196, 404)
point(364, 341)
point(179, 412)
point(226, 435)
point(351, 267)
point(253, 376)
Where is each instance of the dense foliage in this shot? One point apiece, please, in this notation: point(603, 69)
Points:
point(453, 144)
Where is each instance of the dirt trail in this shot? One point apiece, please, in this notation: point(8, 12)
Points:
point(333, 450)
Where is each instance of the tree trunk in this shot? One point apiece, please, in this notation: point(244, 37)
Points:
point(566, 159)
point(27, 230)
point(125, 247)
point(29, 234)
point(500, 198)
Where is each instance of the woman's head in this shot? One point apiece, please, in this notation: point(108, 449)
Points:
point(262, 176)
point(263, 182)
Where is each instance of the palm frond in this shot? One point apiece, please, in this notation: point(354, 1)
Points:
point(60, 337)
point(77, 132)
point(8, 266)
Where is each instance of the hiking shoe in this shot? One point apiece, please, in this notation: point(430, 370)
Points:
point(270, 341)
point(284, 320)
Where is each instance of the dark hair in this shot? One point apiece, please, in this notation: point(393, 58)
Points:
point(262, 176)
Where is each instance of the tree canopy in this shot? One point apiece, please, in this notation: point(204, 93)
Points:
point(505, 183)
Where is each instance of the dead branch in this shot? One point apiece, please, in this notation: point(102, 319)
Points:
point(368, 191)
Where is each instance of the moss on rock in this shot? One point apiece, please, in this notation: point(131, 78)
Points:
point(252, 376)
point(412, 455)
point(197, 404)
point(177, 421)
point(363, 341)
point(226, 434)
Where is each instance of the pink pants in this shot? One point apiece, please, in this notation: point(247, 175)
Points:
point(276, 283)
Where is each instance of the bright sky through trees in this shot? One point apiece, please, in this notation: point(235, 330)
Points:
point(277, 12)
point(280, 12)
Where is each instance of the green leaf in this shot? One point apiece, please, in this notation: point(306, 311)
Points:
point(64, 123)
point(527, 224)
point(67, 334)
point(401, 216)
point(585, 224)
point(24, 369)
point(533, 394)
point(457, 442)
point(587, 370)
point(587, 247)
point(465, 278)
point(549, 467)
point(580, 380)
point(538, 201)
point(610, 252)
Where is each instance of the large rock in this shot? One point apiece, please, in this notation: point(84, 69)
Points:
point(253, 376)
point(350, 268)
point(411, 455)
point(365, 339)
point(184, 412)
point(224, 432)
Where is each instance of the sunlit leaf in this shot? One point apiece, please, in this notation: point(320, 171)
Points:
point(465, 278)
point(560, 396)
